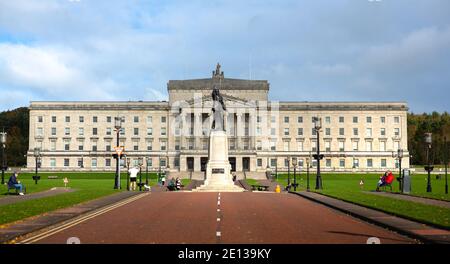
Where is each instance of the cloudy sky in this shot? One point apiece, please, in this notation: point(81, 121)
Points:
point(310, 50)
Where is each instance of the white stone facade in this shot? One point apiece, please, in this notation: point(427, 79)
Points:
point(261, 133)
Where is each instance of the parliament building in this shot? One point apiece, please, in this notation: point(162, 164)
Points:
point(262, 134)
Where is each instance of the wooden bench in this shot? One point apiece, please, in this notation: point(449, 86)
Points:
point(257, 187)
point(52, 177)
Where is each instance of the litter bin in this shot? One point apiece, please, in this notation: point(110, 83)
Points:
point(406, 181)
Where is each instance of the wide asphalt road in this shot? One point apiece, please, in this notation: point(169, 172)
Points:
point(185, 217)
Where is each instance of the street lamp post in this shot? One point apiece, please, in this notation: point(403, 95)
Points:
point(399, 156)
point(117, 126)
point(428, 167)
point(128, 172)
point(294, 164)
point(37, 156)
point(318, 156)
point(3, 142)
point(289, 170)
point(140, 162)
point(146, 171)
point(307, 174)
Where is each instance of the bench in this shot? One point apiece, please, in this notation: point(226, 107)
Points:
point(257, 187)
point(52, 177)
point(24, 189)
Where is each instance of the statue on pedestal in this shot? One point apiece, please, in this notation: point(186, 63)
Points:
point(218, 110)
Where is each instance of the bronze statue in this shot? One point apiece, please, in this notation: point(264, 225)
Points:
point(218, 110)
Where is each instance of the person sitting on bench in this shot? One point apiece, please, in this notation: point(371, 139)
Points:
point(14, 183)
point(385, 180)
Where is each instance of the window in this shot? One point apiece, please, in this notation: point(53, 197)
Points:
point(67, 131)
point(273, 131)
point(80, 146)
point(286, 162)
point(300, 119)
point(122, 131)
point(108, 146)
point(383, 163)
point(369, 119)
point(53, 119)
point(94, 146)
point(163, 119)
point(80, 162)
point(313, 131)
point(313, 146)
point(39, 131)
point(136, 119)
point(258, 119)
point(136, 131)
point(108, 131)
point(355, 119)
point(66, 145)
point(259, 162)
point(368, 145)
point(369, 163)
point(383, 131)
point(341, 146)
point(355, 132)
point(53, 145)
point(67, 119)
point(355, 145)
point(107, 162)
point(327, 145)
point(382, 145)
point(273, 162)
point(273, 145)
point(259, 145)
point(397, 132)
point(150, 162)
point(40, 119)
point(94, 119)
point(341, 131)
point(368, 132)
point(327, 131)
point(149, 145)
point(286, 145)
point(299, 145)
point(286, 131)
point(164, 145)
point(80, 131)
point(66, 162)
point(81, 119)
point(396, 119)
point(383, 119)
point(341, 119)
point(53, 131)
point(135, 146)
point(300, 131)
point(94, 131)
point(258, 131)
point(163, 131)
point(149, 131)
point(108, 119)
point(328, 163)
point(94, 163)
point(149, 119)
point(327, 120)
point(273, 119)
point(355, 163)
point(52, 162)
point(286, 119)
point(342, 163)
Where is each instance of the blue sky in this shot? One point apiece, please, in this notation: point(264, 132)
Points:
point(310, 50)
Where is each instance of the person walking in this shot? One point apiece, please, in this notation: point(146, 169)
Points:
point(163, 180)
point(133, 177)
point(178, 184)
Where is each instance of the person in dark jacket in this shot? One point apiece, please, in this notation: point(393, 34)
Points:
point(14, 183)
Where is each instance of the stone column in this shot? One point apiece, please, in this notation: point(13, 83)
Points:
point(197, 130)
point(239, 130)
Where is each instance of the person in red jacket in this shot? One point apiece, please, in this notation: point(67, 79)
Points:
point(386, 179)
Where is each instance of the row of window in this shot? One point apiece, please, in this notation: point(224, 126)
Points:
point(355, 146)
point(108, 119)
point(328, 163)
point(81, 131)
point(108, 162)
point(327, 119)
point(368, 132)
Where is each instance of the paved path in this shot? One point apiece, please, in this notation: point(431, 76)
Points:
point(416, 199)
point(183, 217)
point(10, 199)
point(19, 228)
point(413, 229)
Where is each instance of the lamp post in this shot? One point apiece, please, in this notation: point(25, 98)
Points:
point(289, 170)
point(146, 170)
point(294, 164)
point(399, 156)
point(428, 167)
point(117, 126)
point(140, 162)
point(128, 172)
point(307, 173)
point(37, 156)
point(3, 142)
point(318, 156)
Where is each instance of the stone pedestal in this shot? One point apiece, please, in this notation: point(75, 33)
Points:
point(218, 169)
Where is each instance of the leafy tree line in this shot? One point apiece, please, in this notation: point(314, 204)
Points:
point(16, 124)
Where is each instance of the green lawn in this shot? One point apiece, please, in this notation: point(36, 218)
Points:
point(346, 187)
point(88, 186)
